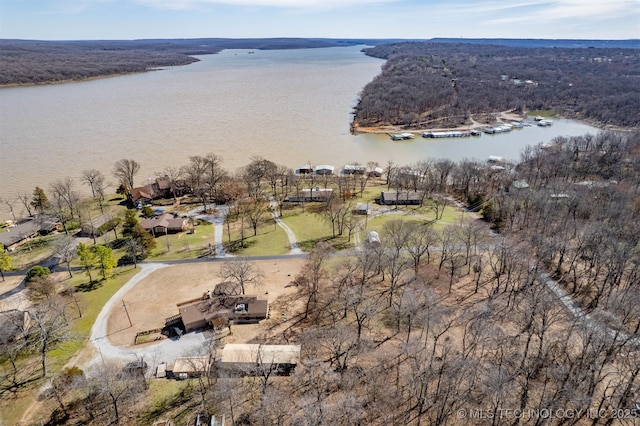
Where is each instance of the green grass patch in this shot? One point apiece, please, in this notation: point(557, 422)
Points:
point(164, 395)
point(184, 245)
point(310, 228)
point(34, 251)
point(92, 302)
point(270, 240)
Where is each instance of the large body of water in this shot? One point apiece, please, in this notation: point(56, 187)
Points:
point(289, 106)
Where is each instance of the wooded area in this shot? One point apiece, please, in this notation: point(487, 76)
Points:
point(435, 324)
point(434, 85)
point(35, 62)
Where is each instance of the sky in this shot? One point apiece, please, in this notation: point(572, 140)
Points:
point(415, 19)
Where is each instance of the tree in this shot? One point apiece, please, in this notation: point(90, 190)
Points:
point(421, 236)
point(146, 240)
point(117, 388)
point(10, 203)
point(37, 271)
point(256, 174)
point(241, 271)
point(51, 327)
point(65, 196)
point(39, 201)
point(125, 170)
point(313, 271)
point(110, 225)
point(42, 287)
point(173, 174)
point(92, 178)
point(67, 380)
point(65, 201)
point(88, 259)
point(97, 181)
point(6, 261)
point(256, 210)
point(123, 190)
point(134, 248)
point(106, 261)
point(26, 199)
point(130, 221)
point(214, 174)
point(147, 212)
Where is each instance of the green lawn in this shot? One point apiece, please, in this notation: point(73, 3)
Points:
point(184, 245)
point(91, 303)
point(270, 240)
point(310, 228)
point(33, 251)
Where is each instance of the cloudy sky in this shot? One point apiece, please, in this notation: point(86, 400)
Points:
point(131, 19)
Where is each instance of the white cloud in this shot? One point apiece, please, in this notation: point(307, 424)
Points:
point(297, 4)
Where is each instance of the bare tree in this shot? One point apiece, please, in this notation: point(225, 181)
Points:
point(243, 272)
point(125, 171)
point(9, 203)
point(173, 174)
point(117, 388)
point(51, 328)
point(65, 201)
point(26, 199)
point(92, 177)
point(421, 236)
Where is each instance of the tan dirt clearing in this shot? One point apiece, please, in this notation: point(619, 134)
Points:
point(154, 298)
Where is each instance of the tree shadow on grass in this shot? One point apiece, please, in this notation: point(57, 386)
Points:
point(338, 243)
point(87, 287)
point(236, 246)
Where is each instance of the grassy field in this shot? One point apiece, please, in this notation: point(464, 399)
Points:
point(270, 240)
point(91, 299)
point(310, 228)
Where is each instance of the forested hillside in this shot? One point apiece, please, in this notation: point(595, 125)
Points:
point(443, 84)
point(34, 62)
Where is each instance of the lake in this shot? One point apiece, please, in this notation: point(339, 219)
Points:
point(289, 106)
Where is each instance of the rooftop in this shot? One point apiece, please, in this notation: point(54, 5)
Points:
point(260, 354)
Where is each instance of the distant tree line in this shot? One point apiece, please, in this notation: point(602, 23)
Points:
point(36, 62)
point(443, 84)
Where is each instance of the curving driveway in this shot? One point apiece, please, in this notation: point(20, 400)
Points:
point(166, 350)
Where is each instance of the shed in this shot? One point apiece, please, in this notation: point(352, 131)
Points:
point(376, 172)
point(312, 194)
point(192, 366)
point(305, 169)
point(390, 198)
point(92, 227)
point(324, 169)
point(354, 169)
point(362, 208)
point(250, 359)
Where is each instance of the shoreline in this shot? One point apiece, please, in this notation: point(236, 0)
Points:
point(504, 116)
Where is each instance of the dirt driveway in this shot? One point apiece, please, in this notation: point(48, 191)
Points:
point(154, 298)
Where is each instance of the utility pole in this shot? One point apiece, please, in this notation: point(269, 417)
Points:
point(127, 312)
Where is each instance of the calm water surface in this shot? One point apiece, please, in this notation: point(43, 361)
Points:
point(289, 106)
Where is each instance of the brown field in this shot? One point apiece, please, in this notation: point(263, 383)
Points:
point(154, 298)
